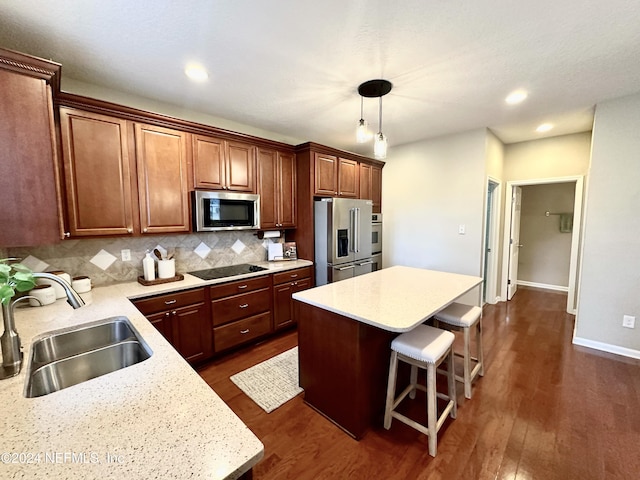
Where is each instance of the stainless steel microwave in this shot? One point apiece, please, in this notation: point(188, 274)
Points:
point(215, 211)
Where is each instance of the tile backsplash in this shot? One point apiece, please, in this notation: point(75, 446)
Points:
point(101, 259)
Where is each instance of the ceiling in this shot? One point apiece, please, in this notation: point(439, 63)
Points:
point(293, 67)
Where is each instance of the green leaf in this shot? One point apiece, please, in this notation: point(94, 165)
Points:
point(6, 292)
point(18, 267)
point(4, 269)
point(25, 286)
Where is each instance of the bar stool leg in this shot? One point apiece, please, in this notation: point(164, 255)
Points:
point(414, 381)
point(479, 346)
point(467, 362)
point(451, 380)
point(391, 389)
point(432, 418)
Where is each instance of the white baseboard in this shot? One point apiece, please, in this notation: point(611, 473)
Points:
point(607, 347)
point(546, 286)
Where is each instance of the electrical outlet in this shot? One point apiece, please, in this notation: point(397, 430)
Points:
point(628, 321)
point(126, 255)
point(461, 229)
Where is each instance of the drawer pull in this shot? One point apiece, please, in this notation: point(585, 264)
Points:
point(170, 302)
point(244, 305)
point(240, 287)
point(244, 331)
point(294, 275)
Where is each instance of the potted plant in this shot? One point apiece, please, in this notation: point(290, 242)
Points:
point(14, 277)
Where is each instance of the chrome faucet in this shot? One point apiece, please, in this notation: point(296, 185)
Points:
point(10, 340)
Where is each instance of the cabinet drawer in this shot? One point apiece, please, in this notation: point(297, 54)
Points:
point(242, 331)
point(169, 301)
point(227, 310)
point(240, 286)
point(291, 275)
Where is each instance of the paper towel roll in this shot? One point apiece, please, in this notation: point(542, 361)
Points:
point(275, 234)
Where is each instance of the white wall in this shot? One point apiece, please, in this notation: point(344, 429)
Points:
point(610, 280)
point(429, 189)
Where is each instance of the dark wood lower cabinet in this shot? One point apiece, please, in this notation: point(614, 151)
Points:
point(205, 321)
point(187, 325)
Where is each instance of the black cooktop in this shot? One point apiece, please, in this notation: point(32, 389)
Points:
point(229, 271)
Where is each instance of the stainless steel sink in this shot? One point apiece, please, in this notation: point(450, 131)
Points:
point(70, 356)
point(61, 344)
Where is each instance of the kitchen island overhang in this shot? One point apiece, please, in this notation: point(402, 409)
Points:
point(345, 331)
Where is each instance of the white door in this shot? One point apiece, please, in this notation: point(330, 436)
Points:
point(514, 242)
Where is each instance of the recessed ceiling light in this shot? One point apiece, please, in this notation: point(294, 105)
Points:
point(545, 127)
point(196, 72)
point(516, 97)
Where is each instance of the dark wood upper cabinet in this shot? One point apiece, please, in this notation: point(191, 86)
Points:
point(376, 188)
point(29, 172)
point(277, 188)
point(326, 175)
point(97, 174)
point(371, 185)
point(161, 159)
point(348, 178)
point(208, 162)
point(223, 164)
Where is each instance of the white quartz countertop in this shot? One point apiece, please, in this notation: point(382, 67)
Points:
point(396, 299)
point(155, 419)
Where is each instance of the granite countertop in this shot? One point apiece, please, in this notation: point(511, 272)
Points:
point(396, 299)
point(154, 419)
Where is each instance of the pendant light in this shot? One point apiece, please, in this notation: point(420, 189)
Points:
point(372, 89)
point(362, 132)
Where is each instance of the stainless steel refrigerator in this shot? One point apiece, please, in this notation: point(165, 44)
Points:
point(342, 238)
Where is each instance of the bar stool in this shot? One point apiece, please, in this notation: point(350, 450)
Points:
point(465, 317)
point(423, 347)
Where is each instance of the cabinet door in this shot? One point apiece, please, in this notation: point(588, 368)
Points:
point(28, 170)
point(241, 159)
point(208, 162)
point(282, 311)
point(192, 332)
point(161, 158)
point(376, 188)
point(162, 322)
point(348, 178)
point(97, 204)
point(326, 173)
point(287, 189)
point(268, 187)
point(365, 182)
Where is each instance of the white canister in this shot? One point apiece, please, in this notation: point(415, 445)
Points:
point(45, 295)
point(167, 268)
point(81, 284)
point(56, 286)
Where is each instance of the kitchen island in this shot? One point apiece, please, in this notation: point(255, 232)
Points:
point(154, 419)
point(345, 331)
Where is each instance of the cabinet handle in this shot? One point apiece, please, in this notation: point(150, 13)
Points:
point(129, 230)
point(244, 331)
point(294, 275)
point(240, 287)
point(144, 230)
point(67, 234)
point(173, 312)
point(170, 302)
point(244, 305)
point(167, 314)
point(293, 284)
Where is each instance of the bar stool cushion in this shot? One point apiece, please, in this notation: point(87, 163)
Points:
point(423, 343)
point(459, 315)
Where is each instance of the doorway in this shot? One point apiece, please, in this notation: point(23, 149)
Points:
point(491, 244)
point(511, 230)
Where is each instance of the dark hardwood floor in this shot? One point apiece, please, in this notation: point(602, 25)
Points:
point(545, 409)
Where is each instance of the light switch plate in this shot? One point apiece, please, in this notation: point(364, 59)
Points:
point(461, 229)
point(126, 255)
point(628, 321)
